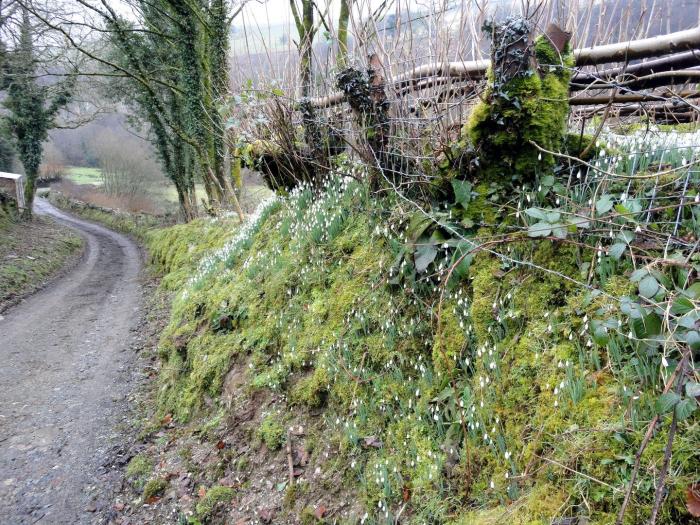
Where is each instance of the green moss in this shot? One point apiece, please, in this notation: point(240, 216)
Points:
point(139, 469)
point(271, 432)
point(528, 108)
point(520, 392)
point(212, 498)
point(154, 487)
point(312, 390)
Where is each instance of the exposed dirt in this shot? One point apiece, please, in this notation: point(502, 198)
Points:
point(68, 365)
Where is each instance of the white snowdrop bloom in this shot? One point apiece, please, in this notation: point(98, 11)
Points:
point(664, 362)
point(493, 485)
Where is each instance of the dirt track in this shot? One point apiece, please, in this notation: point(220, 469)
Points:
point(66, 368)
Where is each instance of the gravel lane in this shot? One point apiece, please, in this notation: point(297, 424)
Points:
point(66, 369)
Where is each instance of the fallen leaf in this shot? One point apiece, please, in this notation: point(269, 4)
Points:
point(202, 492)
point(692, 501)
point(152, 500)
point(220, 445)
point(406, 494)
point(167, 419)
point(319, 512)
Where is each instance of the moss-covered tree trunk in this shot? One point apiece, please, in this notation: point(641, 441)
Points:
point(526, 103)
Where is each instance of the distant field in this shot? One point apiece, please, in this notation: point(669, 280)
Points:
point(84, 175)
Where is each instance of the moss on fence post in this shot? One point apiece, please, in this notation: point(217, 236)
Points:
point(526, 100)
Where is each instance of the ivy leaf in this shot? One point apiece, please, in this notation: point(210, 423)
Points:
point(425, 254)
point(616, 250)
point(604, 204)
point(648, 287)
point(665, 402)
point(536, 213)
point(463, 191)
point(539, 229)
point(685, 408)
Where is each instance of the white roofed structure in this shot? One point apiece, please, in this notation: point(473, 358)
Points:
point(13, 183)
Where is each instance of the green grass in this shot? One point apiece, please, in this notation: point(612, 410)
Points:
point(80, 175)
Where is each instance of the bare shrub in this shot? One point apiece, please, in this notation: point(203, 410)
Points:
point(127, 169)
point(53, 166)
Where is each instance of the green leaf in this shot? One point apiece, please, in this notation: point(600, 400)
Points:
point(604, 204)
point(648, 287)
point(553, 216)
point(638, 275)
point(646, 326)
point(616, 250)
point(692, 389)
point(463, 191)
point(462, 269)
point(539, 229)
point(580, 222)
point(537, 213)
point(665, 402)
point(626, 236)
point(559, 230)
point(425, 254)
point(682, 305)
point(685, 408)
point(693, 290)
point(689, 320)
point(600, 336)
point(548, 180)
point(692, 338)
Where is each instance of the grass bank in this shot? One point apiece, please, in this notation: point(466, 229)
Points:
point(31, 253)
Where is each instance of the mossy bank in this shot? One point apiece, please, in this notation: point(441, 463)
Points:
point(494, 395)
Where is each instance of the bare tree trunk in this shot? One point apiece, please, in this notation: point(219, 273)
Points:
point(343, 20)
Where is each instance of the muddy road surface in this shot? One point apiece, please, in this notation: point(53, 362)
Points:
point(66, 369)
